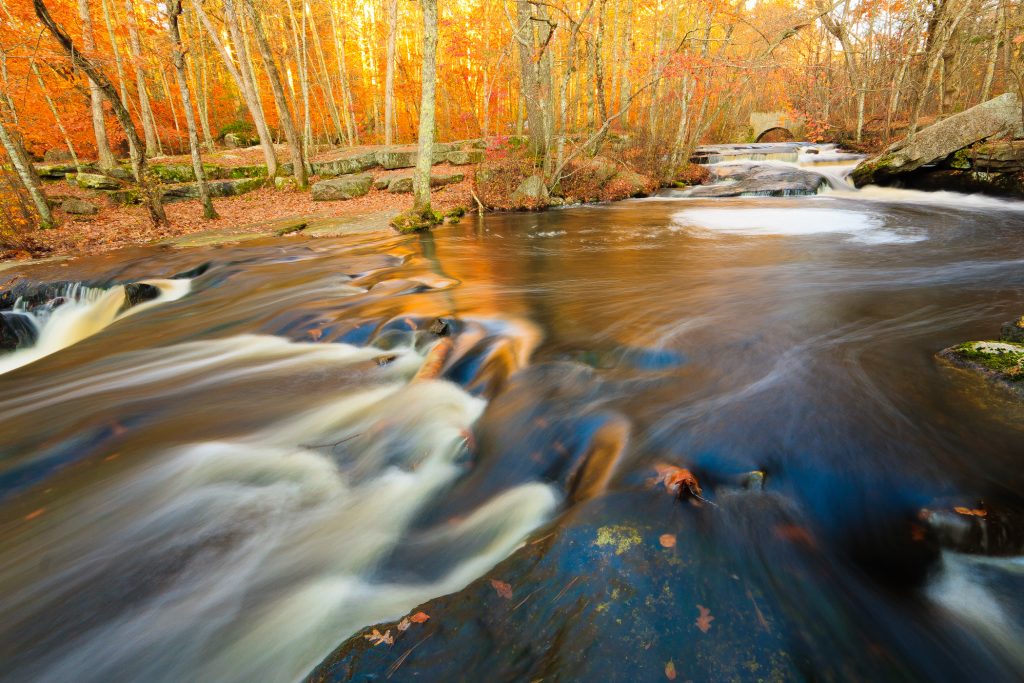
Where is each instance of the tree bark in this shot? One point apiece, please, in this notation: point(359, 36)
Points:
point(243, 78)
point(106, 88)
point(56, 116)
point(283, 112)
point(389, 77)
point(145, 109)
point(19, 159)
point(424, 159)
point(178, 57)
point(104, 157)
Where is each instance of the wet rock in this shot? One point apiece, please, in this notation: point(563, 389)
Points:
point(997, 117)
point(977, 530)
point(97, 181)
point(79, 207)
point(136, 293)
point(769, 181)
point(440, 327)
point(532, 192)
point(1000, 362)
point(15, 331)
point(345, 187)
point(1013, 331)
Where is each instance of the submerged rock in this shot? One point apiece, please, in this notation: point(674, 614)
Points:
point(1013, 331)
point(763, 180)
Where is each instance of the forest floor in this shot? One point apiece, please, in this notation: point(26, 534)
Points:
point(256, 213)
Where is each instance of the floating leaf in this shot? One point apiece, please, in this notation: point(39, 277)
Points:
point(667, 540)
point(670, 670)
point(376, 637)
point(970, 511)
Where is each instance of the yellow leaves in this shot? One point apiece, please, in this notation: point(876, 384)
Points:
point(501, 588)
point(670, 670)
point(704, 619)
point(376, 637)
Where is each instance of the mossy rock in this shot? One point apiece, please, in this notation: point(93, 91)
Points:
point(416, 220)
point(999, 361)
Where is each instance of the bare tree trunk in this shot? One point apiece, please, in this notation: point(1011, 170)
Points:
point(106, 88)
point(178, 57)
point(146, 110)
point(56, 116)
point(123, 90)
point(283, 112)
point(19, 159)
point(325, 80)
point(351, 128)
point(424, 159)
point(993, 55)
point(529, 76)
point(389, 78)
point(199, 82)
point(943, 30)
point(626, 58)
point(104, 157)
point(243, 78)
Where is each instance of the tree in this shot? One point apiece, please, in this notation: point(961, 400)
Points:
point(422, 216)
point(145, 109)
point(106, 88)
point(178, 57)
point(105, 157)
point(389, 78)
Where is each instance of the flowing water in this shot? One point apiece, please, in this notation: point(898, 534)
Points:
point(226, 482)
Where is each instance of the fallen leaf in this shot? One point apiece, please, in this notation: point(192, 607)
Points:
point(419, 617)
point(677, 480)
point(404, 624)
point(704, 620)
point(35, 513)
point(503, 589)
point(377, 637)
point(971, 512)
point(670, 670)
point(316, 333)
point(667, 540)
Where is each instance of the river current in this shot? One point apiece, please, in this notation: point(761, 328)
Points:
point(227, 482)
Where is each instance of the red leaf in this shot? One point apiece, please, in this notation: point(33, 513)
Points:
point(419, 617)
point(704, 620)
point(503, 589)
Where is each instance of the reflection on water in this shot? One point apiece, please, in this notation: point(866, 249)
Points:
point(225, 485)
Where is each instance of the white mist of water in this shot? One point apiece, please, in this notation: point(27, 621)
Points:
point(250, 557)
point(86, 311)
point(759, 222)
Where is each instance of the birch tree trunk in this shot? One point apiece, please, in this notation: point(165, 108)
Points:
point(389, 77)
point(106, 88)
point(19, 159)
point(283, 112)
point(178, 57)
point(424, 158)
point(123, 87)
point(56, 116)
point(145, 109)
point(104, 157)
point(351, 128)
point(242, 75)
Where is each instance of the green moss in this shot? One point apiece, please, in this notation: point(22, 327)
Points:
point(289, 229)
point(416, 221)
point(960, 159)
point(996, 357)
point(622, 538)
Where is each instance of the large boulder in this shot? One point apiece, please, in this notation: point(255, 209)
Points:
point(97, 181)
point(345, 164)
point(404, 156)
point(403, 183)
point(769, 181)
point(54, 171)
point(77, 207)
point(218, 188)
point(1001, 362)
point(997, 117)
point(345, 187)
point(463, 157)
point(531, 193)
point(56, 155)
point(237, 141)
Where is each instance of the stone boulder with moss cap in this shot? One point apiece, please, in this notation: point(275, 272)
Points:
point(995, 118)
point(998, 361)
point(345, 187)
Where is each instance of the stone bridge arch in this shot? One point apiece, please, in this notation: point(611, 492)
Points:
point(762, 122)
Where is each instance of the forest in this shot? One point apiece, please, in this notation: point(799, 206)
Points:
point(298, 78)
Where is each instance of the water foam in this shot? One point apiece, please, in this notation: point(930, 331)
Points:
point(791, 222)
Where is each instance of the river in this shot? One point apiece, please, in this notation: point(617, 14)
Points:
point(226, 482)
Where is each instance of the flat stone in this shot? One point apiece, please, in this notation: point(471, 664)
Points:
point(218, 188)
point(96, 181)
point(345, 164)
point(403, 183)
point(769, 181)
point(344, 187)
point(404, 156)
point(78, 207)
